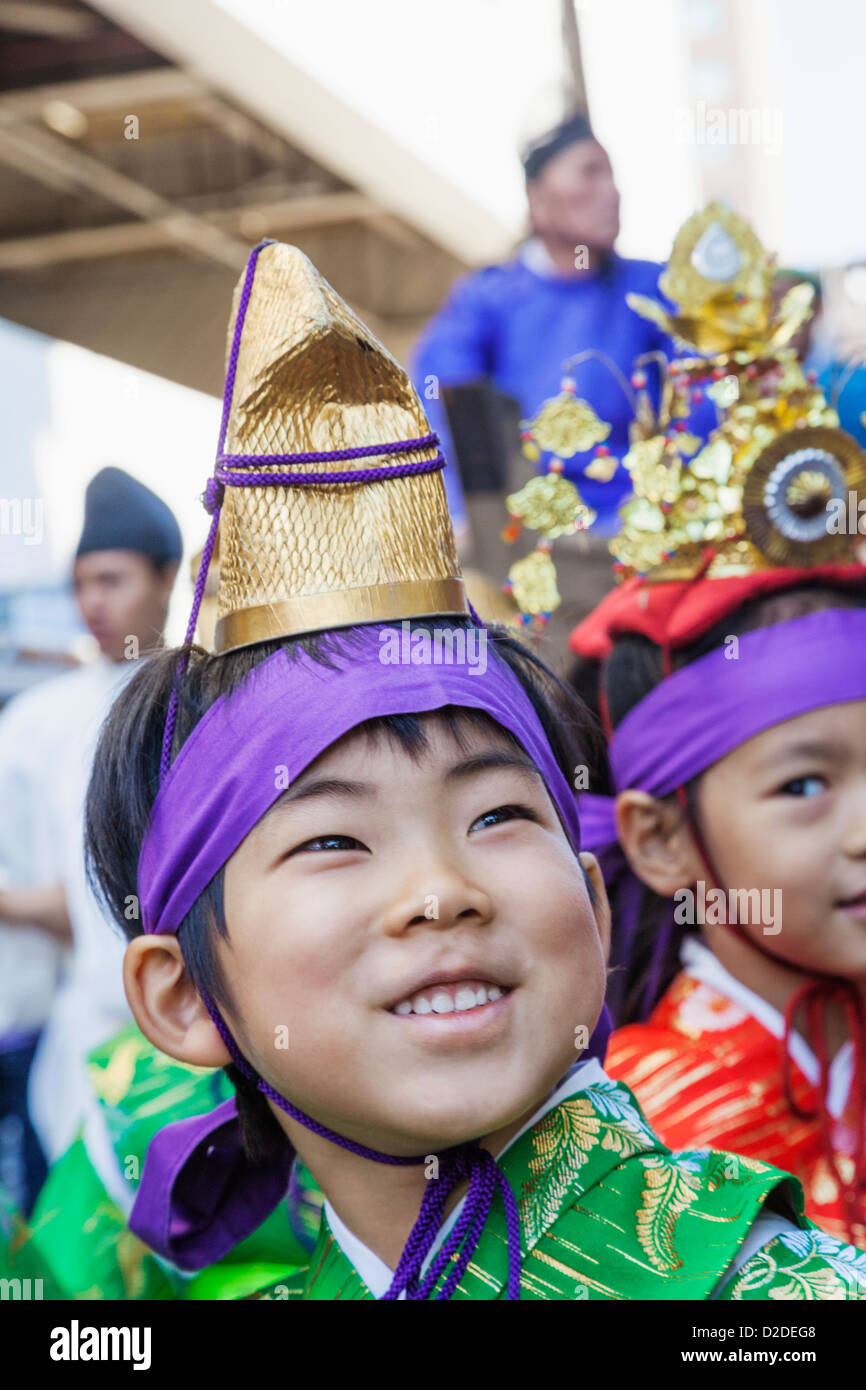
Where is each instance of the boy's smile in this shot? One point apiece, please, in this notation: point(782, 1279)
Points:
point(422, 928)
point(453, 1008)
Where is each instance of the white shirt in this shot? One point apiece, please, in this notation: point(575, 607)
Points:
point(90, 1004)
point(31, 961)
point(377, 1276)
point(536, 257)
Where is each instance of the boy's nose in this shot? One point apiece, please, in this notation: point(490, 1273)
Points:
point(441, 897)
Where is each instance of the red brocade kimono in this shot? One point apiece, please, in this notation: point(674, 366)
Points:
point(706, 1068)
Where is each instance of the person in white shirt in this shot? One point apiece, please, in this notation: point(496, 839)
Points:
point(51, 925)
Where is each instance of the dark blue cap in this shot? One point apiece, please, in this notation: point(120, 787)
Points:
point(569, 132)
point(120, 513)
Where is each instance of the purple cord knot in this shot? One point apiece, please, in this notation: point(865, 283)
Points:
point(213, 495)
point(485, 1177)
point(468, 1160)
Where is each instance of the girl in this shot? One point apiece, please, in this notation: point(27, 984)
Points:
point(357, 858)
point(746, 953)
point(730, 673)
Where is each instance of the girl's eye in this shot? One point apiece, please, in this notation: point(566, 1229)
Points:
point(503, 813)
point(329, 842)
point(804, 786)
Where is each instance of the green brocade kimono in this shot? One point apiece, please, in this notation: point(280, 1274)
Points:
point(77, 1239)
point(608, 1212)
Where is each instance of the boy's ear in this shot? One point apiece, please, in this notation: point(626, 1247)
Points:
point(657, 842)
point(601, 904)
point(166, 1005)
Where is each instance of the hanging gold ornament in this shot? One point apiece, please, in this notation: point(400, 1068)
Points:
point(567, 425)
point(533, 585)
point(602, 468)
point(551, 504)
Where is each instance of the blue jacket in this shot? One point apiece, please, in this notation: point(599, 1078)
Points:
point(517, 327)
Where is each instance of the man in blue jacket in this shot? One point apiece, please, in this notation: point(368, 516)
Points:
point(517, 324)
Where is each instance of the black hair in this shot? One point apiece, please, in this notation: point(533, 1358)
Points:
point(125, 781)
point(632, 670)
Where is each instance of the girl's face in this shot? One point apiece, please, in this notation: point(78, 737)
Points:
point(414, 955)
point(786, 811)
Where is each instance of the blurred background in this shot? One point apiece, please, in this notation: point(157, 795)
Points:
point(145, 145)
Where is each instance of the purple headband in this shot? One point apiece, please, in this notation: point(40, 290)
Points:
point(252, 743)
point(705, 710)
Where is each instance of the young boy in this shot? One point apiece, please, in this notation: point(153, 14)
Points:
point(362, 891)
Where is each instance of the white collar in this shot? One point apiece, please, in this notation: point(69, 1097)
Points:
point(699, 961)
point(374, 1272)
point(536, 257)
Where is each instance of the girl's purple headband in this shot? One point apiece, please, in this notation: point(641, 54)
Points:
point(253, 743)
point(705, 710)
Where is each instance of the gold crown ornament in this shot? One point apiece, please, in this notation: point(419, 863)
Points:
point(763, 490)
point(328, 490)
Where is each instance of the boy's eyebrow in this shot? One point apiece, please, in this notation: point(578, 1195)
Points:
point(469, 767)
point(481, 762)
point(325, 786)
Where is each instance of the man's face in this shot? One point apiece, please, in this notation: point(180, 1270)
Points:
point(423, 931)
point(574, 201)
point(121, 595)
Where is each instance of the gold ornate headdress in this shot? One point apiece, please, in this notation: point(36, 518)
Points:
point(775, 474)
point(764, 489)
point(312, 395)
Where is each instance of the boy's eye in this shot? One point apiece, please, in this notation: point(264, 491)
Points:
point(328, 842)
point(804, 786)
point(504, 813)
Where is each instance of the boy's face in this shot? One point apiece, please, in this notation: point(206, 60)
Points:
point(377, 900)
point(787, 811)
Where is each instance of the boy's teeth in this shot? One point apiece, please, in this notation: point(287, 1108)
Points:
point(442, 1003)
point(455, 999)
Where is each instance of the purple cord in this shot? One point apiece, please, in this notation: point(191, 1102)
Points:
point(360, 451)
point(462, 1161)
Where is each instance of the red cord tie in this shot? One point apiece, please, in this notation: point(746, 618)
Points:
point(815, 996)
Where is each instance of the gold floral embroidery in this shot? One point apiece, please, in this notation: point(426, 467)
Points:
point(562, 1141)
point(669, 1190)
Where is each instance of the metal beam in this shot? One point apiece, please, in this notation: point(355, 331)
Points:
point(289, 215)
point(124, 92)
point(51, 158)
point(53, 21)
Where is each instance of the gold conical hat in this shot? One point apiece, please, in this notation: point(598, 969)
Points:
point(312, 378)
